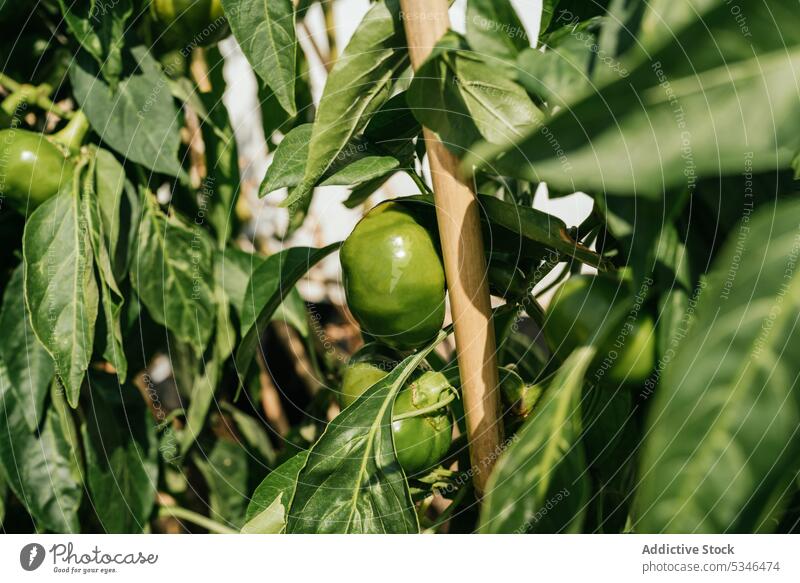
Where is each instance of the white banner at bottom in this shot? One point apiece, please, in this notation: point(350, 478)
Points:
point(389, 559)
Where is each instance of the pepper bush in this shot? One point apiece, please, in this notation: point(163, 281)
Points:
point(654, 393)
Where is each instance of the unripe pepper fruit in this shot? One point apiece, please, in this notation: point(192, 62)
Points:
point(32, 168)
point(581, 312)
point(393, 278)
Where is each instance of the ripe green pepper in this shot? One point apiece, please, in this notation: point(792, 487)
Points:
point(185, 24)
point(370, 364)
point(581, 311)
point(422, 441)
point(393, 278)
point(32, 169)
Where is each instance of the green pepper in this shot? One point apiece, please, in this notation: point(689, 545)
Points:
point(185, 24)
point(366, 367)
point(32, 168)
point(421, 441)
point(581, 314)
point(393, 278)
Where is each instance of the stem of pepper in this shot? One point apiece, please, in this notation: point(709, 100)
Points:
point(458, 217)
point(419, 182)
point(425, 410)
point(72, 135)
point(195, 518)
point(37, 97)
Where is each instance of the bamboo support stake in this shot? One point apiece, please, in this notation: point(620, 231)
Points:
point(457, 214)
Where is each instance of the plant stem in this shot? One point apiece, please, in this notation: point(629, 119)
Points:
point(448, 512)
point(330, 32)
point(195, 518)
point(419, 182)
point(425, 410)
point(38, 98)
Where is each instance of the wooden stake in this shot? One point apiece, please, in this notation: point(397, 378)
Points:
point(458, 217)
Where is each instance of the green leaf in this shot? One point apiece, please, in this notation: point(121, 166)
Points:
point(225, 470)
point(352, 481)
point(121, 447)
point(172, 274)
point(672, 114)
point(539, 484)
point(60, 289)
point(265, 31)
point(3, 494)
point(39, 466)
point(101, 202)
point(559, 75)
point(293, 312)
point(363, 170)
point(237, 267)
point(356, 87)
point(28, 365)
point(494, 29)
point(266, 513)
point(359, 162)
point(464, 98)
point(289, 161)
point(252, 433)
point(548, 9)
point(138, 118)
point(722, 430)
point(559, 13)
point(221, 187)
point(110, 189)
point(268, 286)
point(206, 382)
point(99, 27)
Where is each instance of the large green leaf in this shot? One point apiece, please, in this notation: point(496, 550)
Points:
point(60, 289)
point(359, 162)
point(138, 118)
point(99, 27)
point(28, 365)
point(464, 98)
point(265, 31)
point(352, 481)
point(722, 434)
point(266, 513)
point(669, 122)
point(172, 274)
point(540, 484)
point(119, 439)
point(559, 75)
point(39, 466)
point(356, 87)
point(494, 29)
point(269, 284)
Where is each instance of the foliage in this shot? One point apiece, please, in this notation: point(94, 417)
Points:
point(157, 353)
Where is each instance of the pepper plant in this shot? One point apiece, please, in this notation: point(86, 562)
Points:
point(648, 356)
